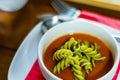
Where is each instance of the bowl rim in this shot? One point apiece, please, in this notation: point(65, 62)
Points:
point(86, 21)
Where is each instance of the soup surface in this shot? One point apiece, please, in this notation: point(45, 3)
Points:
point(101, 67)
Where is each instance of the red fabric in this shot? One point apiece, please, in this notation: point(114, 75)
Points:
point(35, 73)
point(114, 23)
point(117, 72)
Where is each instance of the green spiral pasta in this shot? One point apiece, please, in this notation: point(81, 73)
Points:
point(75, 60)
point(77, 72)
point(91, 52)
point(64, 63)
point(76, 50)
point(84, 48)
point(69, 44)
point(96, 57)
point(77, 55)
point(62, 53)
point(76, 68)
point(95, 46)
point(84, 62)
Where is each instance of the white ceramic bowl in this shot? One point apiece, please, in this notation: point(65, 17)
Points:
point(12, 5)
point(78, 25)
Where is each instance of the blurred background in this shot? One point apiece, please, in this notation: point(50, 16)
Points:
point(15, 25)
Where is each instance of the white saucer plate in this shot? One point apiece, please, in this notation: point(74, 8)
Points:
point(26, 54)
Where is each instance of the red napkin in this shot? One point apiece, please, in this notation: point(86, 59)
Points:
point(114, 23)
point(35, 73)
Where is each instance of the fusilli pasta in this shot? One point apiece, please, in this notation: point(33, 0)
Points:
point(78, 55)
point(64, 63)
point(62, 53)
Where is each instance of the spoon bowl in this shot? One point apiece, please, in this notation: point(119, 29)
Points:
point(50, 21)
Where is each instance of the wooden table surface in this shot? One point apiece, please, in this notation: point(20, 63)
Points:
point(14, 27)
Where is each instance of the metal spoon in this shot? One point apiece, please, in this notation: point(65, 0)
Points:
point(51, 20)
point(49, 23)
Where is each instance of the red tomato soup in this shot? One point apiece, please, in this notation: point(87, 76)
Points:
point(101, 67)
